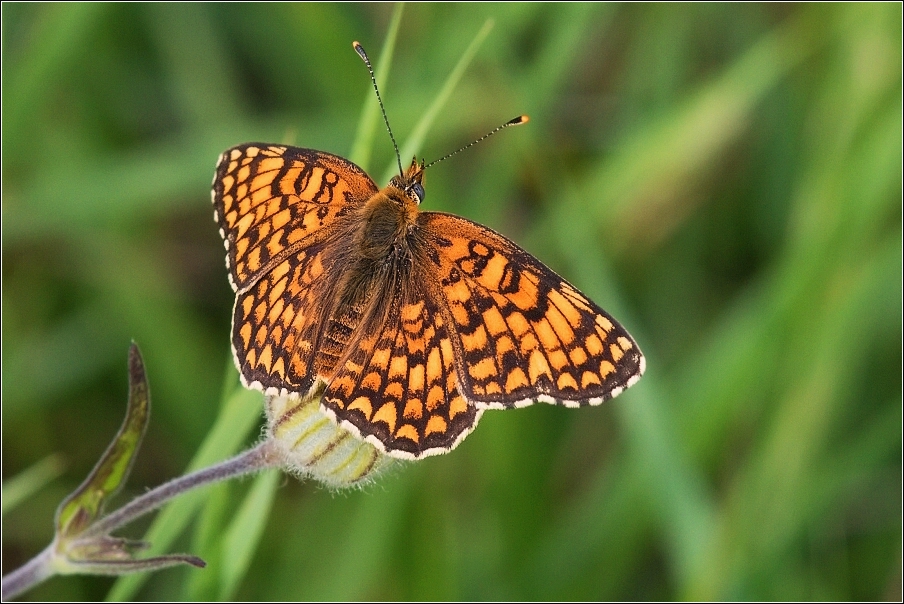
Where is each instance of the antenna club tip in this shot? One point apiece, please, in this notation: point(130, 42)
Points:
point(521, 119)
point(359, 49)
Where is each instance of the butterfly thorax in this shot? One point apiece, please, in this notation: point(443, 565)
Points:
point(387, 220)
point(386, 227)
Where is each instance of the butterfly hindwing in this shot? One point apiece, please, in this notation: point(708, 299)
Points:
point(398, 388)
point(277, 322)
point(523, 333)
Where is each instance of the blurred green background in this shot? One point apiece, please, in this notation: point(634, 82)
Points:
point(725, 180)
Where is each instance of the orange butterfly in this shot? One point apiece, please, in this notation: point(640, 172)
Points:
point(410, 324)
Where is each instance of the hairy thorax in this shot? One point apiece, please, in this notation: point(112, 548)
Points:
point(387, 222)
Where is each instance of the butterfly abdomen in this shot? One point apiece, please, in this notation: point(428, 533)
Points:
point(336, 336)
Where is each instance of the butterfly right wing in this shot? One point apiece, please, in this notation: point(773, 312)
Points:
point(523, 333)
point(276, 206)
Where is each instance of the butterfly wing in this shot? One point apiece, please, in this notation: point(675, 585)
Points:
point(521, 332)
point(476, 323)
point(276, 207)
point(398, 388)
point(271, 200)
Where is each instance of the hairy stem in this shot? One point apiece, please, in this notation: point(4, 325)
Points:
point(29, 574)
point(41, 567)
point(258, 458)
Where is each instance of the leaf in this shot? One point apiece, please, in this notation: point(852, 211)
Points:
point(238, 416)
point(411, 146)
point(99, 561)
point(243, 534)
point(22, 486)
point(86, 503)
point(361, 149)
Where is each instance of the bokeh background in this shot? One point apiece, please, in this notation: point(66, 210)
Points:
point(725, 180)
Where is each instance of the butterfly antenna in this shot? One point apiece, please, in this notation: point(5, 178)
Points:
point(521, 119)
point(360, 50)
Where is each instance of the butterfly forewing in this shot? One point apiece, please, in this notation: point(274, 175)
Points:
point(523, 333)
point(276, 206)
point(270, 200)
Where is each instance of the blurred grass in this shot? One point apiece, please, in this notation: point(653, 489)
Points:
point(726, 180)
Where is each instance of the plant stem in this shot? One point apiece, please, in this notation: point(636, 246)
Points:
point(258, 458)
point(41, 567)
point(29, 574)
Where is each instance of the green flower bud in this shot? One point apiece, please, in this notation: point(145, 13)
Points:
point(313, 446)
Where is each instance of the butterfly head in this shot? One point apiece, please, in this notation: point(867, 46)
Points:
point(411, 182)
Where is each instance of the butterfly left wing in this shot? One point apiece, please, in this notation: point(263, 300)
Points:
point(398, 387)
point(270, 200)
point(278, 208)
point(522, 333)
point(277, 322)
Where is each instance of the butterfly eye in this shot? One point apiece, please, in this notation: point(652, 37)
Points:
point(418, 190)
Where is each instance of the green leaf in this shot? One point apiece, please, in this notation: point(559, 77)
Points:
point(22, 486)
point(370, 112)
point(416, 138)
point(86, 503)
point(207, 535)
point(239, 414)
point(242, 537)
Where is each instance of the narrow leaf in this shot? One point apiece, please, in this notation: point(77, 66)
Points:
point(126, 567)
point(86, 503)
point(244, 533)
point(370, 113)
point(22, 486)
point(413, 144)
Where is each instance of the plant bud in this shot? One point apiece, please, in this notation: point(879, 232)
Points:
point(314, 446)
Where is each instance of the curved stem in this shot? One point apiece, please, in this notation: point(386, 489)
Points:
point(41, 567)
point(29, 574)
point(257, 458)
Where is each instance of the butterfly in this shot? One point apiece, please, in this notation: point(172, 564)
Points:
point(408, 323)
